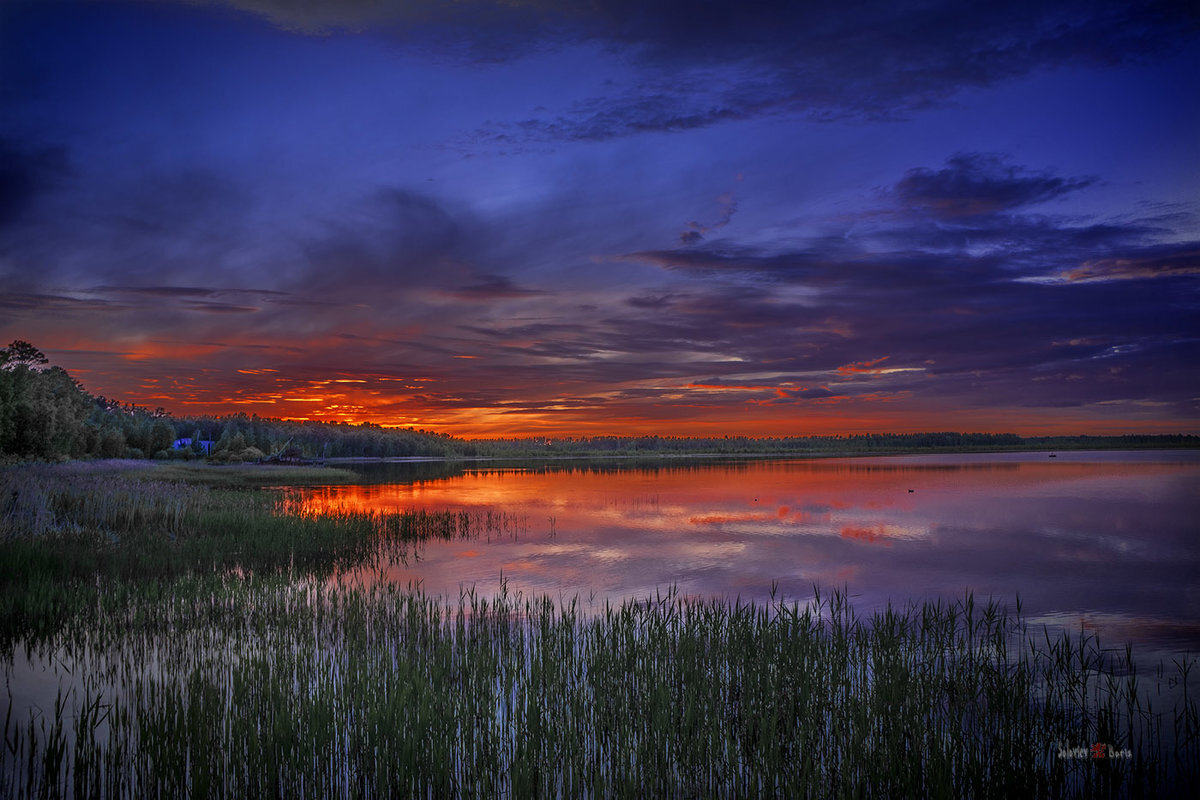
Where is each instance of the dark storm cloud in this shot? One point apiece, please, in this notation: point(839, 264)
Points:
point(973, 184)
point(139, 226)
point(655, 301)
point(956, 222)
point(873, 58)
point(491, 287)
point(821, 61)
point(640, 111)
point(41, 303)
point(184, 291)
point(392, 242)
point(24, 172)
point(149, 238)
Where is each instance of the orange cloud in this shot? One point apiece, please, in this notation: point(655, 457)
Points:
point(862, 367)
point(871, 535)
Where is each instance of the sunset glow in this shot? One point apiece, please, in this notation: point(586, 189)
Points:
point(494, 219)
point(731, 529)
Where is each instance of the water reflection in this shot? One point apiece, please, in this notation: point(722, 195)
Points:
point(1106, 539)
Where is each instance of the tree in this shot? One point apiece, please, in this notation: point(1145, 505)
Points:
point(162, 436)
point(43, 410)
point(225, 441)
point(112, 443)
point(11, 395)
point(21, 353)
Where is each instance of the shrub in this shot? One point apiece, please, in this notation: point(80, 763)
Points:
point(252, 454)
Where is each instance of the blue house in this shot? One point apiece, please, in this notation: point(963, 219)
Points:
point(206, 445)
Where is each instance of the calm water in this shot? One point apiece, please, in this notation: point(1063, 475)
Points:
point(1107, 539)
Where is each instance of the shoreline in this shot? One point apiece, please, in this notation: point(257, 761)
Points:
point(650, 456)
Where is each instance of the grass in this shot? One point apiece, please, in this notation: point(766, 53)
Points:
point(64, 531)
point(207, 650)
point(233, 688)
point(242, 475)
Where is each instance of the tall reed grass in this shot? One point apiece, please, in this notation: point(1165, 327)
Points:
point(65, 529)
point(238, 688)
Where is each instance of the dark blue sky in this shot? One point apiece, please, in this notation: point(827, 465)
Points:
point(526, 217)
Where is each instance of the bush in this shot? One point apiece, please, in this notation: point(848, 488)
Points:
point(110, 443)
point(252, 454)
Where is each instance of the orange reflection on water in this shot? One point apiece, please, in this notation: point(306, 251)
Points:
point(886, 498)
point(1085, 532)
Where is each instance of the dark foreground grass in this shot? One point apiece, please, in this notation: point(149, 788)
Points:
point(67, 530)
point(237, 688)
point(234, 674)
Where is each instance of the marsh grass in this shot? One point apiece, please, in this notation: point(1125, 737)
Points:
point(157, 527)
point(244, 475)
point(64, 534)
point(269, 688)
point(201, 648)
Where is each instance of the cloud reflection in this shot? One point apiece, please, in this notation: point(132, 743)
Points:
point(1083, 536)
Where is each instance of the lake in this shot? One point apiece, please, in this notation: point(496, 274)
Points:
point(1106, 540)
point(211, 676)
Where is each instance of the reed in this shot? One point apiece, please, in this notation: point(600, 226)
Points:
point(236, 687)
point(66, 529)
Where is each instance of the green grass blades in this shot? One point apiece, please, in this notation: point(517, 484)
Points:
point(235, 687)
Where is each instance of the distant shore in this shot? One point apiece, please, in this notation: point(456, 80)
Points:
point(654, 456)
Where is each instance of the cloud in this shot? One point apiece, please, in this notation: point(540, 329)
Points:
point(137, 226)
point(696, 230)
point(491, 287)
point(655, 301)
point(975, 184)
point(391, 243)
point(1161, 261)
point(876, 58)
point(184, 291)
point(903, 307)
point(219, 308)
point(995, 303)
point(41, 303)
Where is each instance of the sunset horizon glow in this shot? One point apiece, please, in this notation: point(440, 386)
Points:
point(491, 219)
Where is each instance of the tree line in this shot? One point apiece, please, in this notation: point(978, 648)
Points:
point(47, 414)
point(846, 444)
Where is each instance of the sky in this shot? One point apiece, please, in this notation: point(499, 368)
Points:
point(529, 217)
